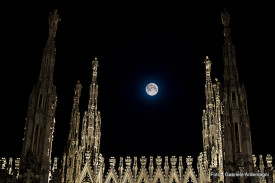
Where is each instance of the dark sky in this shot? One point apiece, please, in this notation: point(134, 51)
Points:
point(136, 45)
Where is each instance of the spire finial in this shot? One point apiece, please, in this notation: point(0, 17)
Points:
point(78, 88)
point(207, 67)
point(225, 18)
point(53, 22)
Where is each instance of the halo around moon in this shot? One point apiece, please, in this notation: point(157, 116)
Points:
point(151, 89)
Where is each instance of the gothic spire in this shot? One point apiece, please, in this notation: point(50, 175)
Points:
point(230, 68)
point(91, 129)
point(48, 59)
point(211, 122)
point(208, 113)
point(75, 116)
point(208, 85)
point(71, 154)
point(208, 68)
point(39, 128)
point(237, 135)
point(93, 87)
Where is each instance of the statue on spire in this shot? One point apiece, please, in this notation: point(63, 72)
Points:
point(225, 18)
point(53, 22)
point(207, 67)
point(78, 87)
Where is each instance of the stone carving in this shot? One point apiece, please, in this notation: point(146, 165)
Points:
point(158, 161)
point(112, 162)
point(54, 19)
point(143, 161)
point(173, 161)
point(189, 161)
point(269, 160)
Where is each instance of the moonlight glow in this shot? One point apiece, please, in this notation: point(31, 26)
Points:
point(151, 89)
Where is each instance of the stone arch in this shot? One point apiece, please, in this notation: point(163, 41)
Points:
point(143, 176)
point(190, 174)
point(158, 176)
point(173, 176)
point(127, 178)
point(86, 172)
point(111, 177)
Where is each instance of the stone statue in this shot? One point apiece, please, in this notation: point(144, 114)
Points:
point(225, 18)
point(54, 19)
point(78, 88)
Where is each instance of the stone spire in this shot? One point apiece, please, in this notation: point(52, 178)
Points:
point(40, 121)
point(91, 126)
point(93, 87)
point(71, 157)
point(237, 135)
point(75, 116)
point(208, 113)
point(211, 123)
point(48, 59)
point(83, 161)
point(94, 119)
point(229, 55)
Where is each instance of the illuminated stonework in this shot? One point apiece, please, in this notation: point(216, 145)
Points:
point(226, 155)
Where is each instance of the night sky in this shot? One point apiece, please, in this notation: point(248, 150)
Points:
point(136, 45)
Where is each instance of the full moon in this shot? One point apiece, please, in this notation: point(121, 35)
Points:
point(151, 89)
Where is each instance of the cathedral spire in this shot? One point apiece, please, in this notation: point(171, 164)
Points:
point(208, 85)
point(91, 125)
point(71, 155)
point(211, 123)
point(237, 135)
point(230, 67)
point(94, 120)
point(48, 59)
point(209, 120)
point(39, 127)
point(208, 68)
point(93, 87)
point(86, 154)
point(75, 116)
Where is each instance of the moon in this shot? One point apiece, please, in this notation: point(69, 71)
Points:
point(151, 89)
